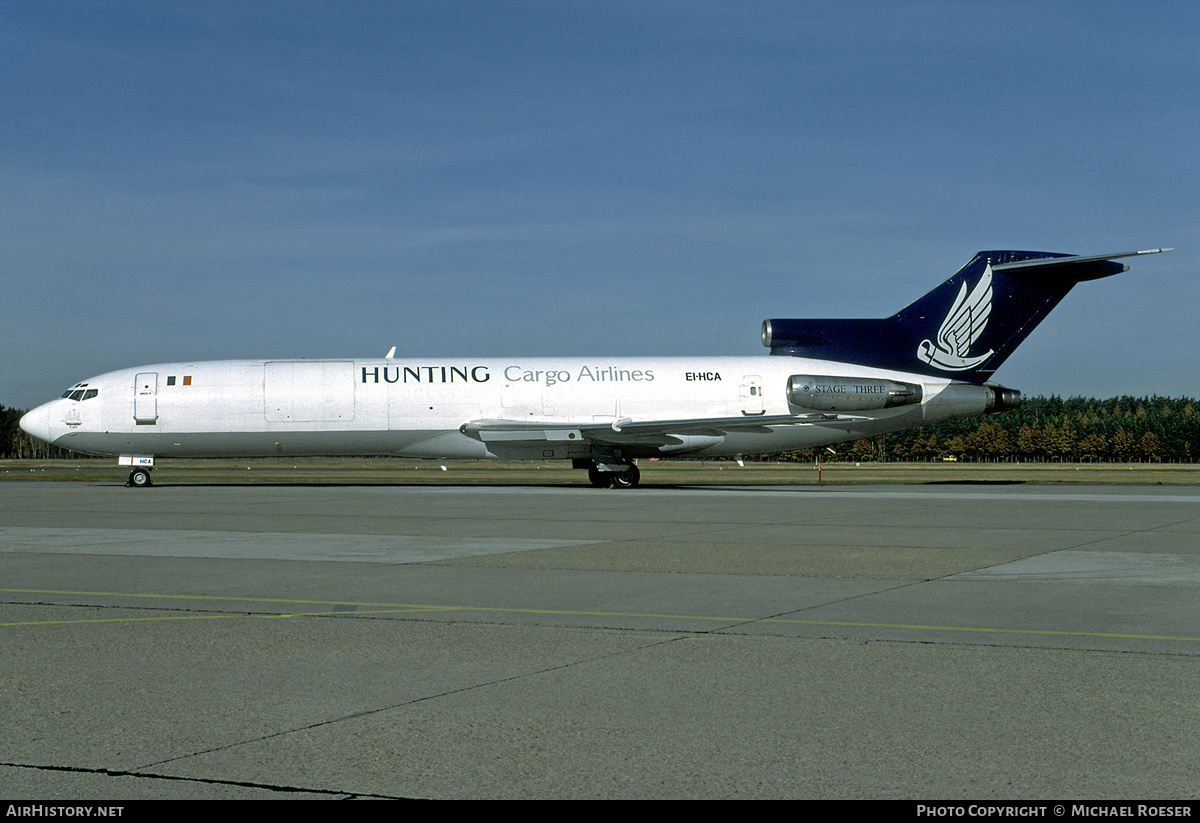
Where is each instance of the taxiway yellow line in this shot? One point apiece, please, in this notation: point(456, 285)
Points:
point(411, 608)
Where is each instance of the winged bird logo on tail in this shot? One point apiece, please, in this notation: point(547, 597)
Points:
point(962, 327)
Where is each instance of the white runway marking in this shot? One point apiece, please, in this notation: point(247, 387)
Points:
point(342, 548)
point(1129, 568)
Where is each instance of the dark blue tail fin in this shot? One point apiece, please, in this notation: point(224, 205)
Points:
point(964, 329)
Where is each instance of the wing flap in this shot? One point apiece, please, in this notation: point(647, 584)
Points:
point(633, 431)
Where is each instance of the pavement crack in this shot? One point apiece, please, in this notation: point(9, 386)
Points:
point(823, 604)
point(415, 701)
point(343, 794)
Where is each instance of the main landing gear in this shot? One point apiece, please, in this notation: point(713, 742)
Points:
point(624, 478)
point(140, 478)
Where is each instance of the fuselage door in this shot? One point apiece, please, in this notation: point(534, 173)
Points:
point(751, 391)
point(145, 398)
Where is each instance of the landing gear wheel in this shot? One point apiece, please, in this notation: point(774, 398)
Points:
point(139, 478)
point(601, 480)
point(626, 478)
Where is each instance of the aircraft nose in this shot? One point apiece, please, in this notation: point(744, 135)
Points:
point(37, 423)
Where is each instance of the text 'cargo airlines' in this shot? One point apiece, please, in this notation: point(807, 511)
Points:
point(832, 381)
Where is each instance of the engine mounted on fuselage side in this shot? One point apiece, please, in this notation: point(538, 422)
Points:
point(822, 393)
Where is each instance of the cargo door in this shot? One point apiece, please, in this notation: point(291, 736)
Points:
point(308, 391)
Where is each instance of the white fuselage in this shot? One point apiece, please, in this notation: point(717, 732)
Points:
point(419, 408)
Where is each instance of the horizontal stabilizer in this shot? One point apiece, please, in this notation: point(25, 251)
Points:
point(1049, 262)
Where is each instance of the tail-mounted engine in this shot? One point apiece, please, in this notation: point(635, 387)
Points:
point(1000, 399)
point(822, 393)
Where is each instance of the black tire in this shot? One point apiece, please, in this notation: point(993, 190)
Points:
point(139, 478)
point(626, 478)
point(601, 480)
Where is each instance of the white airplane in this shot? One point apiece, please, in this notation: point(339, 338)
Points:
point(832, 381)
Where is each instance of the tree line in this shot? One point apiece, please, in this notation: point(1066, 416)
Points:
point(1077, 429)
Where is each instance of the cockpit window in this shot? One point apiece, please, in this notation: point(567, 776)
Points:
point(80, 391)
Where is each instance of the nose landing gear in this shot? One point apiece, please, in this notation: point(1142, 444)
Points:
point(140, 466)
point(140, 478)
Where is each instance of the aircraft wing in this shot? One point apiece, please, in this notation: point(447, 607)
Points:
point(626, 431)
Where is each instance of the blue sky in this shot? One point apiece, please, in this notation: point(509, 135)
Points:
point(264, 180)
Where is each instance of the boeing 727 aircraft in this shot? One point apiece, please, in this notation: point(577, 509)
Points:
point(830, 381)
